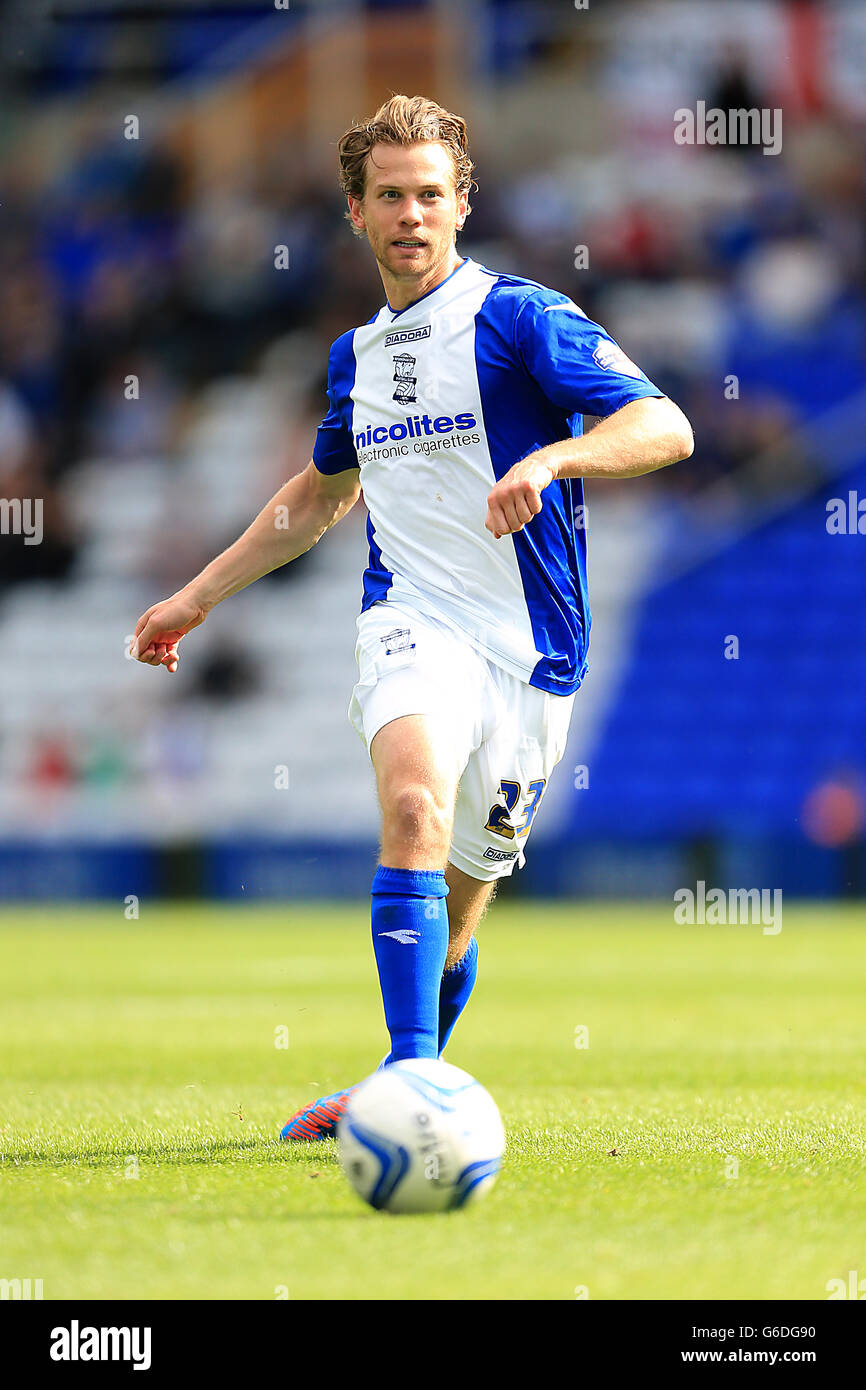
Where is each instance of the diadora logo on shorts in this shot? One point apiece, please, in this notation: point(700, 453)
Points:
point(414, 427)
point(500, 854)
point(398, 641)
point(407, 335)
point(407, 936)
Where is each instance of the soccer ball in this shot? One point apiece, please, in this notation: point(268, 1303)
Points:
point(420, 1135)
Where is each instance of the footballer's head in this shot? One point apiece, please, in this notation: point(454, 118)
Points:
point(406, 174)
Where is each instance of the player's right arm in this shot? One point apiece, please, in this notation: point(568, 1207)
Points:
point(291, 523)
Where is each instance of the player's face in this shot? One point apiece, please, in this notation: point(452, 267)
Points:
point(410, 209)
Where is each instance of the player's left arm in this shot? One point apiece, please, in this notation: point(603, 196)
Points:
point(640, 437)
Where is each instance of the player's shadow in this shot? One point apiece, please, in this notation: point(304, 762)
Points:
point(323, 1153)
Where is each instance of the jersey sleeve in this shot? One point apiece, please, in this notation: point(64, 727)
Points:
point(576, 364)
point(334, 449)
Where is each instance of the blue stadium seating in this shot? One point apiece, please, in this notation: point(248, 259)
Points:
point(696, 744)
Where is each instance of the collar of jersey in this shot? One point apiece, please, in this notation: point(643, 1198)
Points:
point(435, 290)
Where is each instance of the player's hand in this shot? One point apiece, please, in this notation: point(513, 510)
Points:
point(516, 498)
point(159, 630)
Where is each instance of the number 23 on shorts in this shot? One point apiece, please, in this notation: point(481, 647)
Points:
point(497, 821)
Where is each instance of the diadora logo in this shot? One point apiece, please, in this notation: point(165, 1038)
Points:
point(404, 365)
point(407, 335)
point(414, 427)
point(407, 936)
point(500, 855)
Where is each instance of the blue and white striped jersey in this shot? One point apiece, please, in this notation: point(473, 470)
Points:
point(435, 402)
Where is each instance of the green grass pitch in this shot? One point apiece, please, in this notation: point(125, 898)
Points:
point(708, 1142)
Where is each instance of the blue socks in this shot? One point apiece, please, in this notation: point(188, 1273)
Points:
point(410, 939)
point(454, 991)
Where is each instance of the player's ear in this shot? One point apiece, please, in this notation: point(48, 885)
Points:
point(355, 212)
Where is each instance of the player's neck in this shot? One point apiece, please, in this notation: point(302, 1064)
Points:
point(401, 291)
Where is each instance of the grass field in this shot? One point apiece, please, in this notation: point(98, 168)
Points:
point(708, 1142)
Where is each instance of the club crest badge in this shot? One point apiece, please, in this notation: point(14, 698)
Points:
point(404, 365)
point(398, 640)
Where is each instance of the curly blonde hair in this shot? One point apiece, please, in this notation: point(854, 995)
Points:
point(403, 120)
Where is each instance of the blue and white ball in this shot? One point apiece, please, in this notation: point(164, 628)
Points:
point(421, 1135)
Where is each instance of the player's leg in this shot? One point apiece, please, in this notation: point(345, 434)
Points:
point(468, 902)
point(417, 771)
point(500, 790)
point(413, 706)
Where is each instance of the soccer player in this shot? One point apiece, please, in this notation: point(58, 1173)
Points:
point(458, 408)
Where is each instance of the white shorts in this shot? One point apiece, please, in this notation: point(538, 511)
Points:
point(506, 736)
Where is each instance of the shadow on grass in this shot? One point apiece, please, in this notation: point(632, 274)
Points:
point(324, 1152)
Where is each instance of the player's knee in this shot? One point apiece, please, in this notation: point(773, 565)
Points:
point(416, 816)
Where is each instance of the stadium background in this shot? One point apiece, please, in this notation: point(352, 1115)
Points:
point(736, 279)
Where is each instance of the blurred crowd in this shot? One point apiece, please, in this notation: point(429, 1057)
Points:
point(125, 294)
